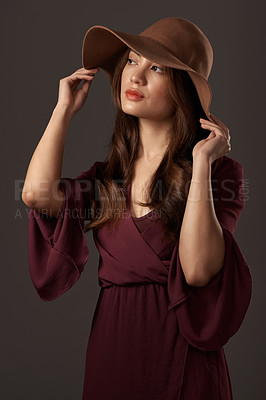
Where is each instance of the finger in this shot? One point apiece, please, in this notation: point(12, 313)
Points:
point(210, 126)
point(216, 121)
point(212, 134)
point(84, 72)
point(85, 87)
point(81, 76)
point(90, 69)
point(219, 121)
point(88, 73)
point(75, 80)
point(223, 129)
point(75, 85)
point(207, 122)
point(216, 130)
point(228, 151)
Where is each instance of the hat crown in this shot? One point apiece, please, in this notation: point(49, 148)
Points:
point(185, 41)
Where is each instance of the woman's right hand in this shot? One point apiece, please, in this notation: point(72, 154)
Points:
point(71, 97)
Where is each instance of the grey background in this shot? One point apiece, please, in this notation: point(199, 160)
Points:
point(43, 344)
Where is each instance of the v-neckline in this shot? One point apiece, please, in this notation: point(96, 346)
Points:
point(129, 205)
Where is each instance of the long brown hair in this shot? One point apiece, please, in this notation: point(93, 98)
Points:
point(169, 185)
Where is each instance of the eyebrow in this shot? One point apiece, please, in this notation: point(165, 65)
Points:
point(141, 56)
point(135, 52)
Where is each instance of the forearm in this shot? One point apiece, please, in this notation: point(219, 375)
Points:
point(46, 163)
point(201, 242)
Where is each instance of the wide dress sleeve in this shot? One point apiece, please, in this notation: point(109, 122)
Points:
point(208, 316)
point(57, 246)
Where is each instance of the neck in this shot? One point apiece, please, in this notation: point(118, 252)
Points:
point(153, 138)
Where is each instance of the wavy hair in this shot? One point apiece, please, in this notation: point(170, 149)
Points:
point(168, 187)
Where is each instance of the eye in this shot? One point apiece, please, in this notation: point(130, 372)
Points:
point(154, 66)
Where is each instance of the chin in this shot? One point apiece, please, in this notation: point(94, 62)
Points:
point(129, 112)
point(132, 114)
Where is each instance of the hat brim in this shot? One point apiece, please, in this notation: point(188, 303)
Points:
point(102, 47)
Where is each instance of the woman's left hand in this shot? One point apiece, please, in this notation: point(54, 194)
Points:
point(217, 144)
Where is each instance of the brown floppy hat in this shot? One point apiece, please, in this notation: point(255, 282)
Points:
point(171, 41)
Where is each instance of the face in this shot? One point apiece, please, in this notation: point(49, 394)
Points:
point(151, 80)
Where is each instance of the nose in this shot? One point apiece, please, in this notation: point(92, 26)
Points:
point(138, 77)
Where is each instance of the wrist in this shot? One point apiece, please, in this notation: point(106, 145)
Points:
point(201, 168)
point(201, 159)
point(63, 111)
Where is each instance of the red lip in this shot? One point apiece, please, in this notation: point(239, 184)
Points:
point(134, 92)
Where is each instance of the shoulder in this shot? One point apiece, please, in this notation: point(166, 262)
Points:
point(95, 170)
point(228, 183)
point(226, 167)
point(228, 190)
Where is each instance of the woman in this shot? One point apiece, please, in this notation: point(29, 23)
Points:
point(163, 207)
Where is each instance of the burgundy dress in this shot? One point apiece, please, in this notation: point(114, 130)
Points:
point(153, 337)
